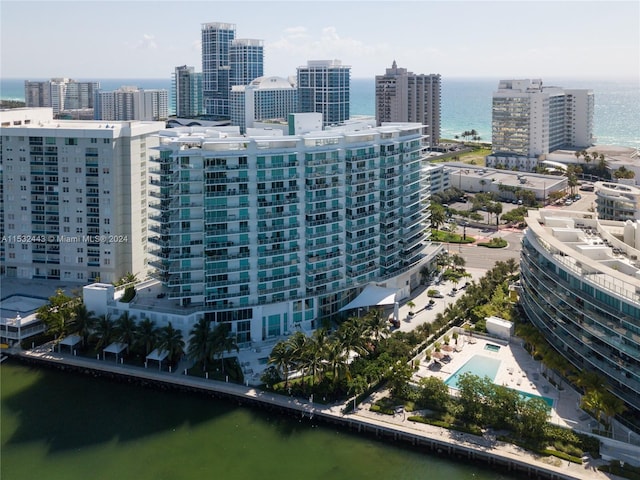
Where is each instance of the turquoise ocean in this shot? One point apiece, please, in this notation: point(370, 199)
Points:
point(466, 103)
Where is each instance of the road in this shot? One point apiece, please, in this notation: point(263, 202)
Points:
point(485, 258)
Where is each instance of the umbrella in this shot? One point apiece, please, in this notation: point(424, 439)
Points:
point(438, 355)
point(448, 348)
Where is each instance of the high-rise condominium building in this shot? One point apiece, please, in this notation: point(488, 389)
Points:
point(580, 284)
point(132, 103)
point(60, 94)
point(246, 60)
point(265, 98)
point(227, 62)
point(403, 96)
point(187, 92)
point(75, 196)
point(530, 120)
point(271, 233)
point(324, 87)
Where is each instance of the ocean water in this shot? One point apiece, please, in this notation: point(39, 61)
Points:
point(466, 103)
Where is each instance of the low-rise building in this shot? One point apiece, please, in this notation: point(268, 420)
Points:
point(504, 183)
point(617, 201)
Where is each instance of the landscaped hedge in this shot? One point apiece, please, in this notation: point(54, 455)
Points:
point(562, 455)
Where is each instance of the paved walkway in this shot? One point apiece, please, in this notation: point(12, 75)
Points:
point(362, 415)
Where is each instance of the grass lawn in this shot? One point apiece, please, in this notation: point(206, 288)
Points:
point(450, 237)
point(494, 243)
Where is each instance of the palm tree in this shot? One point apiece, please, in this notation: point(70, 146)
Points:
point(336, 358)
point(104, 331)
point(612, 406)
point(350, 336)
point(376, 323)
point(411, 306)
point(147, 335)
point(125, 329)
point(315, 353)
point(83, 321)
point(170, 341)
point(438, 215)
point(221, 341)
point(602, 164)
point(280, 358)
point(511, 266)
point(199, 345)
point(577, 153)
point(457, 261)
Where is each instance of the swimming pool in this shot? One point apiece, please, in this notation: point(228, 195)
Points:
point(477, 365)
point(547, 400)
point(491, 347)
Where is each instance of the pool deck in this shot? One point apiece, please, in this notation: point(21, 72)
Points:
point(518, 370)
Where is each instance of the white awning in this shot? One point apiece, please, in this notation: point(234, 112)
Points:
point(372, 295)
point(71, 340)
point(158, 355)
point(115, 347)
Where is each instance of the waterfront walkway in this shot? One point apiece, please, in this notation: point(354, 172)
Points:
point(396, 427)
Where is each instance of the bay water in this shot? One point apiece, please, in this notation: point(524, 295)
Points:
point(66, 426)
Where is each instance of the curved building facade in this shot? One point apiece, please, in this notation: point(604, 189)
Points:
point(617, 201)
point(581, 287)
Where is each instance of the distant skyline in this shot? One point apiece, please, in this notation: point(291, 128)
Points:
point(149, 38)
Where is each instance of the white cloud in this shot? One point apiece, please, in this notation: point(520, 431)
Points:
point(298, 44)
point(147, 42)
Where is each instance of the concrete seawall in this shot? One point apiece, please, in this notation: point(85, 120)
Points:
point(465, 447)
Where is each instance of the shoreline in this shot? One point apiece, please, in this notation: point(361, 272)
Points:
point(457, 445)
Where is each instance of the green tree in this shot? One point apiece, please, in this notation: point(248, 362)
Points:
point(434, 394)
point(104, 332)
point(125, 329)
point(222, 340)
point(83, 321)
point(170, 340)
point(199, 344)
point(281, 359)
point(532, 419)
point(58, 314)
point(471, 389)
point(146, 336)
point(438, 215)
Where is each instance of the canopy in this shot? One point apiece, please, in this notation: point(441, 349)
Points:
point(158, 355)
point(372, 295)
point(115, 347)
point(71, 340)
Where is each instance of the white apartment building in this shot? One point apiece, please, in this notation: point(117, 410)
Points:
point(132, 103)
point(530, 120)
point(74, 197)
point(403, 96)
point(60, 94)
point(617, 201)
point(324, 87)
point(275, 233)
point(265, 98)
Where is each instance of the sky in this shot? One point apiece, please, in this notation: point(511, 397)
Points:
point(92, 39)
